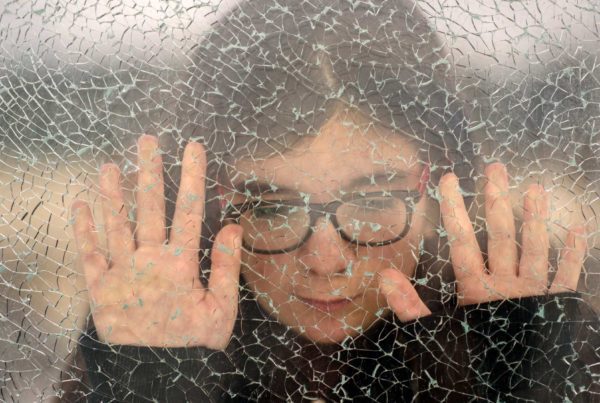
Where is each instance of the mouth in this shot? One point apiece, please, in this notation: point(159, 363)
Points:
point(331, 305)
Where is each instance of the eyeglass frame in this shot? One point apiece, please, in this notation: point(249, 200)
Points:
point(329, 210)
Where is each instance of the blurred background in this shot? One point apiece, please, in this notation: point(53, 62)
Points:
point(80, 80)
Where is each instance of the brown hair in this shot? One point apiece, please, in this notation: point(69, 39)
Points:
point(272, 72)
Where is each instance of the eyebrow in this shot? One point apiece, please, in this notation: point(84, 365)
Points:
point(258, 187)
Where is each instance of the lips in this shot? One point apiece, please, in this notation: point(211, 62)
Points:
point(328, 305)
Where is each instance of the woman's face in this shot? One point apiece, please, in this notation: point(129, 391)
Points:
point(342, 158)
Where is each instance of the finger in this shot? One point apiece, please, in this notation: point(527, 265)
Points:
point(86, 242)
point(465, 253)
point(121, 245)
point(534, 255)
point(571, 261)
point(225, 266)
point(502, 248)
point(150, 193)
point(189, 211)
point(401, 295)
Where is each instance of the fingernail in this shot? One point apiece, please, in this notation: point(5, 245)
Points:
point(502, 169)
point(144, 138)
point(148, 146)
point(225, 249)
point(451, 178)
point(579, 230)
point(109, 170)
point(387, 285)
point(536, 202)
point(503, 175)
point(75, 208)
point(73, 217)
point(580, 236)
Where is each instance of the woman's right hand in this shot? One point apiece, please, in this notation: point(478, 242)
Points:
point(148, 292)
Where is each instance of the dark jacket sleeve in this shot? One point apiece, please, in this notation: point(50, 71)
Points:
point(544, 348)
point(144, 374)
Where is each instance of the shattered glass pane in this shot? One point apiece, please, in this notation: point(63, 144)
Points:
point(258, 200)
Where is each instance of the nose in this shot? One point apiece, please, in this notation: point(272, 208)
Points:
point(325, 252)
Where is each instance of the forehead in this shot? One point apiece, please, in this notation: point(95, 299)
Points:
point(342, 152)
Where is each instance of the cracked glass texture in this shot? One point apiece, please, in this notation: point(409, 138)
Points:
point(306, 95)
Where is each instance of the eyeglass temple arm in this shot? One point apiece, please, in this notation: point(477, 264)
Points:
point(424, 179)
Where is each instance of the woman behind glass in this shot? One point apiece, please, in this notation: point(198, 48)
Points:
point(334, 142)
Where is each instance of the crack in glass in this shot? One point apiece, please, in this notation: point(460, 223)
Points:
point(281, 200)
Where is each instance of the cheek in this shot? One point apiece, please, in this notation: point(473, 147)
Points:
point(268, 273)
point(402, 255)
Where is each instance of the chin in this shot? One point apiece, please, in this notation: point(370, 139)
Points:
point(321, 327)
point(332, 330)
point(326, 335)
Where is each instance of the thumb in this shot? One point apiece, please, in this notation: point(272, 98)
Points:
point(401, 295)
point(225, 268)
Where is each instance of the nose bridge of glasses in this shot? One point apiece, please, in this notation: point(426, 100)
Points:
point(324, 239)
point(323, 214)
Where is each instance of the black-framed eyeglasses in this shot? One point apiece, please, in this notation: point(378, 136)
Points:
point(363, 218)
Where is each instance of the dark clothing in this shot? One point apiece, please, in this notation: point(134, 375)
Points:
point(539, 349)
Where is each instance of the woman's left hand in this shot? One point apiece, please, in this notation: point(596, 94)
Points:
point(506, 276)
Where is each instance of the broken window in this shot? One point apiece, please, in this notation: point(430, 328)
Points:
point(282, 200)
